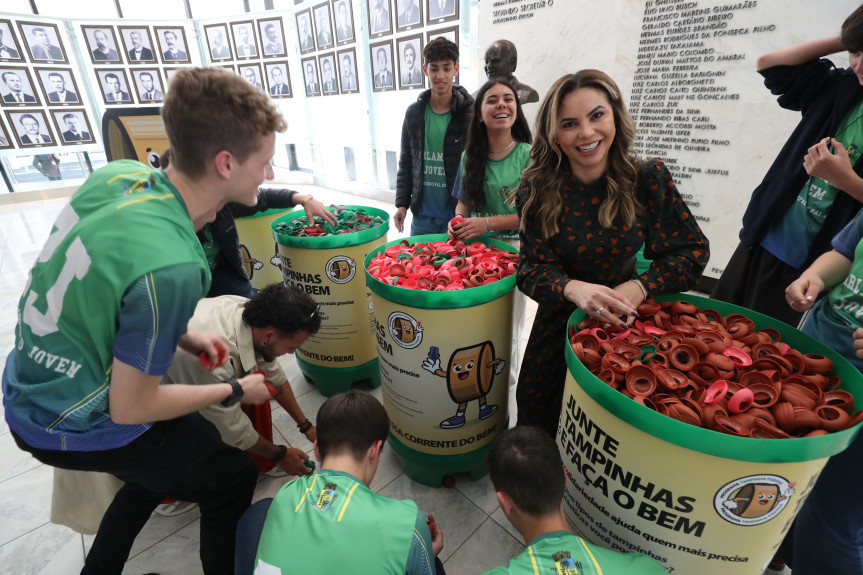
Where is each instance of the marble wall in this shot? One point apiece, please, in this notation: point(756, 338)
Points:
point(687, 68)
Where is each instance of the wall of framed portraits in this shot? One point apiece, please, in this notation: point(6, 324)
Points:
point(342, 73)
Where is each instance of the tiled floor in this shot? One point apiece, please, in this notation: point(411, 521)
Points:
point(477, 536)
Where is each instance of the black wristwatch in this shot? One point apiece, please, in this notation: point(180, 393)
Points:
point(236, 393)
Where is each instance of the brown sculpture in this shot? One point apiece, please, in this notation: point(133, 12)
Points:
point(500, 62)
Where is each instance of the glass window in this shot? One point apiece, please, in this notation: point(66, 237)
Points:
point(216, 8)
point(163, 9)
point(66, 9)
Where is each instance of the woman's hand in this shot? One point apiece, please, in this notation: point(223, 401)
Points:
point(470, 228)
point(315, 208)
point(631, 291)
point(858, 342)
point(602, 302)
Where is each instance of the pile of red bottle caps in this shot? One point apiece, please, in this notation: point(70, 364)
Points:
point(718, 372)
point(442, 265)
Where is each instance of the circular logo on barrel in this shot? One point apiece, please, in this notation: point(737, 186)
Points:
point(753, 500)
point(406, 331)
point(341, 269)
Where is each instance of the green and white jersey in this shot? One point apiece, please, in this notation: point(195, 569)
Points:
point(125, 223)
point(562, 553)
point(331, 522)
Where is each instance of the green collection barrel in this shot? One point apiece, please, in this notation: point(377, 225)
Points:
point(259, 252)
point(697, 500)
point(442, 351)
point(344, 350)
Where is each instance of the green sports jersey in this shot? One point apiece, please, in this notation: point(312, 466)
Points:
point(501, 181)
point(331, 522)
point(435, 198)
point(562, 553)
point(125, 222)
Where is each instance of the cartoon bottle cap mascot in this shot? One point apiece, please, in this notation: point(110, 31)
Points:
point(469, 376)
point(757, 499)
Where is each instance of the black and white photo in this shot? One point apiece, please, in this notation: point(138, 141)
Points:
point(272, 37)
point(304, 31)
point(31, 128)
point(381, 57)
point(310, 77)
point(245, 45)
point(137, 44)
point(169, 74)
point(5, 140)
point(73, 127)
point(329, 82)
point(323, 26)
point(217, 42)
point(102, 44)
point(380, 22)
point(408, 14)
point(114, 86)
point(251, 73)
point(148, 84)
point(278, 79)
point(16, 87)
point(43, 42)
point(10, 49)
point(441, 10)
point(58, 86)
point(347, 60)
point(172, 44)
point(344, 15)
point(410, 62)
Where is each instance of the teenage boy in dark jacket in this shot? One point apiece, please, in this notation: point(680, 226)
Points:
point(433, 136)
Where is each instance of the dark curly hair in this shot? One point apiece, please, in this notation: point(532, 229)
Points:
point(287, 309)
point(439, 50)
point(476, 146)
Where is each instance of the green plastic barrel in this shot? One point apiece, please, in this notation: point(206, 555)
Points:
point(344, 350)
point(697, 500)
point(442, 353)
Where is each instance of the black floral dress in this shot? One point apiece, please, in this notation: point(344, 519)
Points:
point(585, 251)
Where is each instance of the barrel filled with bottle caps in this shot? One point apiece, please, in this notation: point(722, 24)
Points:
point(322, 259)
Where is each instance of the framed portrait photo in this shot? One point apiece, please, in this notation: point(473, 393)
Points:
point(347, 62)
point(323, 26)
point(169, 74)
point(43, 42)
point(383, 68)
point(441, 11)
point(272, 35)
point(245, 39)
point(329, 82)
point(251, 73)
point(409, 14)
point(310, 76)
point(278, 79)
point(450, 33)
point(31, 128)
point(173, 48)
point(5, 139)
point(137, 44)
point(304, 31)
point(101, 44)
point(218, 44)
point(230, 67)
point(380, 22)
point(10, 49)
point(343, 13)
point(114, 86)
point(148, 85)
point(59, 86)
point(16, 87)
point(73, 126)
point(410, 51)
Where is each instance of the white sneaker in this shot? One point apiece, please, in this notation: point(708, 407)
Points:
point(175, 508)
